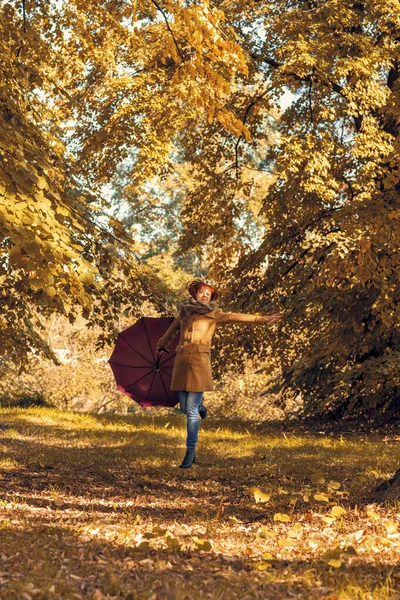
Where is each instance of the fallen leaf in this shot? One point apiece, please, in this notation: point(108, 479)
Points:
point(172, 542)
point(359, 534)
point(390, 526)
point(317, 478)
point(335, 563)
point(285, 542)
point(235, 519)
point(373, 515)
point(284, 518)
point(338, 511)
point(350, 551)
point(157, 530)
point(202, 544)
point(143, 546)
point(164, 564)
point(334, 485)
point(328, 519)
point(260, 496)
point(321, 497)
point(332, 553)
point(262, 566)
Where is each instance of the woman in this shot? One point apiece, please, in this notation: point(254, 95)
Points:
point(191, 374)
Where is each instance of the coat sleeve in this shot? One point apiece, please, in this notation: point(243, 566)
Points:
point(225, 318)
point(170, 334)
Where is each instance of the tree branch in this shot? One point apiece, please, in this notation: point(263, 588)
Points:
point(310, 101)
point(306, 251)
point(307, 78)
point(246, 114)
point(394, 74)
point(169, 29)
point(24, 13)
point(23, 28)
point(320, 217)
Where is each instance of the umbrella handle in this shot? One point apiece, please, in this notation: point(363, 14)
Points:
point(161, 350)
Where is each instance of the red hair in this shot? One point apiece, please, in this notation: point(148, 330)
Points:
point(194, 286)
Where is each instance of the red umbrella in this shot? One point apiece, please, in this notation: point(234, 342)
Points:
point(138, 371)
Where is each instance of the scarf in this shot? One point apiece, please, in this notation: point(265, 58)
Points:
point(192, 306)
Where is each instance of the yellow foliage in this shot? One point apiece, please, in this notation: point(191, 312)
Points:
point(294, 207)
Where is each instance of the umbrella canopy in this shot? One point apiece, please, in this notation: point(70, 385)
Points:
point(139, 372)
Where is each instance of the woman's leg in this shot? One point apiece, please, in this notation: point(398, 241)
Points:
point(192, 410)
point(183, 404)
point(202, 410)
point(192, 402)
point(183, 401)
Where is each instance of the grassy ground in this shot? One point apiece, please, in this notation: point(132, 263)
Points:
point(95, 507)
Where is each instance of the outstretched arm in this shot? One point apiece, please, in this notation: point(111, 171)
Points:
point(225, 318)
point(169, 335)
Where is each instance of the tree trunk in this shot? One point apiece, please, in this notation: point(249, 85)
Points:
point(388, 491)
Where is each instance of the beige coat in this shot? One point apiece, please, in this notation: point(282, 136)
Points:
point(192, 366)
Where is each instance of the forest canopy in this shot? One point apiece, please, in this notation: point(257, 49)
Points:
point(175, 105)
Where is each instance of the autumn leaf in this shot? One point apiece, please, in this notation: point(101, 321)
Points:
point(201, 544)
point(267, 556)
point(260, 496)
point(321, 497)
point(334, 485)
point(373, 515)
point(328, 519)
point(350, 550)
point(158, 531)
point(337, 511)
point(143, 546)
point(335, 563)
point(317, 478)
point(285, 542)
point(172, 542)
point(333, 553)
point(86, 278)
point(390, 526)
point(262, 566)
point(282, 517)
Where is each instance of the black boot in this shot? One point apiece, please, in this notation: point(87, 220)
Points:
point(189, 459)
point(203, 411)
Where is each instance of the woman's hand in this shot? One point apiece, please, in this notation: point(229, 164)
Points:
point(273, 318)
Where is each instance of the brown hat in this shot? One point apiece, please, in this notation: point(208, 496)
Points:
point(194, 286)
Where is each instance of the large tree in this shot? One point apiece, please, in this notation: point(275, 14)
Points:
point(55, 255)
point(89, 90)
point(300, 208)
point(207, 76)
point(333, 213)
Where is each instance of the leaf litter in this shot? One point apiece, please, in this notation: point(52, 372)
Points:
point(135, 526)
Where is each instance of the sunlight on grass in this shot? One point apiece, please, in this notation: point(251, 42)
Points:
point(8, 464)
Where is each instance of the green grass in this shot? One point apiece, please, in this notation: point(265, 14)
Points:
point(96, 507)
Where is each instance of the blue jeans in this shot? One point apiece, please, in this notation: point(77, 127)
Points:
point(190, 403)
